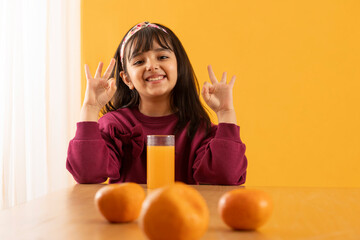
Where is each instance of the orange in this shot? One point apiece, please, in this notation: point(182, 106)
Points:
point(176, 212)
point(245, 209)
point(120, 203)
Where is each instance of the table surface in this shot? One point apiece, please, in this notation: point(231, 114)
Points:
point(299, 213)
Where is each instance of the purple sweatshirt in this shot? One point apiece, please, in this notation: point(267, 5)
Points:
point(115, 148)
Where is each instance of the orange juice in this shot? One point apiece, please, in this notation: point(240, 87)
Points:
point(160, 166)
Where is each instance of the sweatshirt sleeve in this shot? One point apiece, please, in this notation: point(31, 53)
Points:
point(92, 157)
point(220, 159)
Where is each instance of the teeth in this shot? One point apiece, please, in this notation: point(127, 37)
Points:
point(155, 79)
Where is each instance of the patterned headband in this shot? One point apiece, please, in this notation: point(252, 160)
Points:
point(134, 30)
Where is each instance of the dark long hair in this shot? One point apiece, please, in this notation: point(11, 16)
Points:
point(185, 95)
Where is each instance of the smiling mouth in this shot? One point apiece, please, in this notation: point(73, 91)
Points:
point(155, 78)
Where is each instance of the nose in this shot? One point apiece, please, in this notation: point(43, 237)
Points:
point(152, 64)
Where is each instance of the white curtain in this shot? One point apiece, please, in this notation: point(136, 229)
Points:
point(39, 95)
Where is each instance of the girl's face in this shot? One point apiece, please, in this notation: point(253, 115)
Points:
point(153, 73)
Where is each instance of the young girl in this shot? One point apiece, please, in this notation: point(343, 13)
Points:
point(150, 88)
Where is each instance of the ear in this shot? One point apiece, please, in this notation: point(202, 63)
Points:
point(126, 80)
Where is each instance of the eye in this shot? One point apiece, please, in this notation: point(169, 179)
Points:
point(138, 62)
point(163, 57)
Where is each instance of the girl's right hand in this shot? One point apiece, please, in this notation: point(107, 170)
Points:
point(99, 91)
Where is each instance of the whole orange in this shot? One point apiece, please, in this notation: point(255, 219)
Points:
point(245, 209)
point(176, 212)
point(120, 202)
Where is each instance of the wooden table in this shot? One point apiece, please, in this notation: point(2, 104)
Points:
point(299, 213)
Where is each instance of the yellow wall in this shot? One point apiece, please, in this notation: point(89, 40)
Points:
point(297, 93)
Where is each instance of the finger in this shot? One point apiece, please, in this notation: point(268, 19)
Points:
point(109, 68)
point(232, 81)
point(223, 79)
point(87, 72)
point(99, 70)
point(212, 75)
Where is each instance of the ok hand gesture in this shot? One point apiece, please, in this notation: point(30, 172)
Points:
point(218, 96)
point(99, 91)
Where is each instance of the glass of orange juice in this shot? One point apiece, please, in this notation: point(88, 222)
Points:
point(160, 160)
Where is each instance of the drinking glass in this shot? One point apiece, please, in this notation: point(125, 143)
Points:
point(160, 160)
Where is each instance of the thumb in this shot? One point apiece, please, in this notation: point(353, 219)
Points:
point(205, 91)
point(112, 86)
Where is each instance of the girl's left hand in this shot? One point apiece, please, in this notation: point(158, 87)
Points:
point(218, 95)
